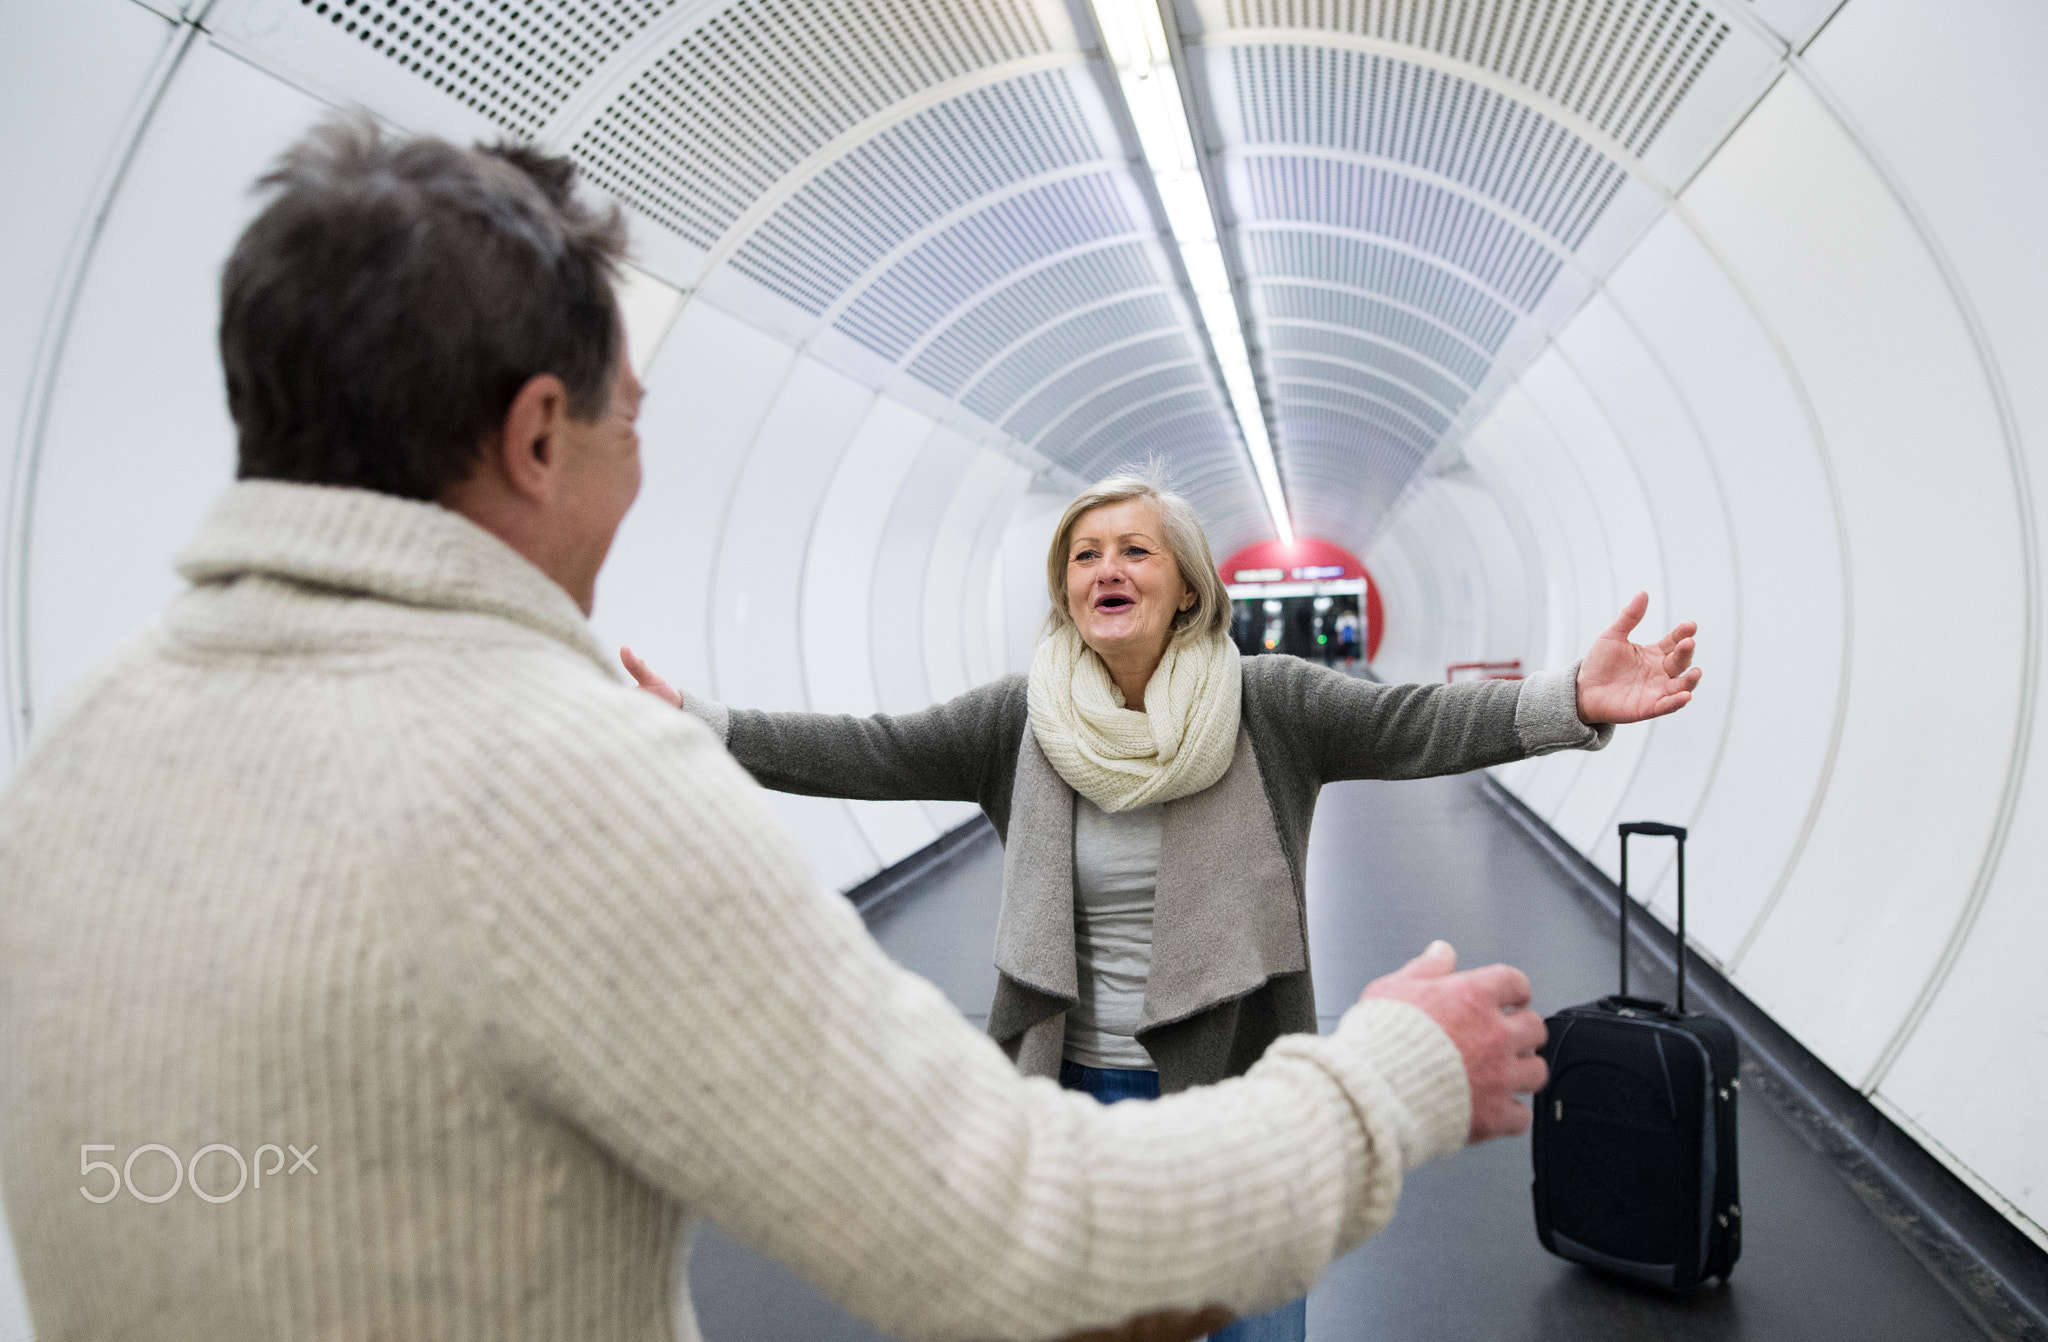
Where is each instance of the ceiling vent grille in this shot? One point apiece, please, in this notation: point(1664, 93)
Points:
point(1332, 449)
point(1623, 65)
point(1069, 395)
point(833, 231)
point(1348, 456)
point(1431, 388)
point(944, 271)
point(1352, 468)
point(1334, 307)
point(1007, 315)
point(1296, 365)
point(1376, 107)
point(1355, 263)
point(1181, 428)
point(1366, 200)
point(513, 63)
point(1069, 342)
point(733, 107)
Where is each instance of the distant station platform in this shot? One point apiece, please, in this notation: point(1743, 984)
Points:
point(1393, 865)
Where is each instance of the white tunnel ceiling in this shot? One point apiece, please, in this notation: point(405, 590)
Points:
point(942, 198)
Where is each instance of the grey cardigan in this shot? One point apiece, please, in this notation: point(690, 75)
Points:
point(1230, 968)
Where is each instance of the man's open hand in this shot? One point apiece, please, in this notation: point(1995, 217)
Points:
point(1485, 1012)
point(1620, 681)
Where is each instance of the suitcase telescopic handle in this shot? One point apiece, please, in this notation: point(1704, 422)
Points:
point(1660, 830)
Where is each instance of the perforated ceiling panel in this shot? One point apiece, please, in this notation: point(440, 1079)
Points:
point(1487, 247)
point(1443, 347)
point(1375, 107)
point(1166, 428)
point(1137, 408)
point(1033, 300)
point(941, 274)
point(1401, 225)
point(514, 63)
point(1131, 367)
point(1335, 262)
point(1623, 65)
point(740, 101)
point(1066, 343)
point(1426, 391)
point(833, 231)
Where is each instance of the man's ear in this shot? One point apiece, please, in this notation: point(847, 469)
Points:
point(527, 447)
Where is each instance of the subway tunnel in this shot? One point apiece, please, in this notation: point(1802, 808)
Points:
point(1523, 304)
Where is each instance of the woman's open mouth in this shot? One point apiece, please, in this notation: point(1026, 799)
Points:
point(1114, 601)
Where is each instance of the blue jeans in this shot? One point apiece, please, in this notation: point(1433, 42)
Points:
point(1289, 1323)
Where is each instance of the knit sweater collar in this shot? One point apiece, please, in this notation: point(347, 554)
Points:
point(378, 545)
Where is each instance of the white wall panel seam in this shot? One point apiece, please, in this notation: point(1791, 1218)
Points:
point(1818, 28)
point(49, 361)
point(1826, 458)
point(875, 858)
point(1606, 547)
point(984, 662)
point(1536, 595)
point(1734, 663)
point(803, 560)
point(1734, 128)
point(1956, 1166)
point(739, 475)
point(982, 494)
point(829, 153)
point(1542, 525)
point(1987, 361)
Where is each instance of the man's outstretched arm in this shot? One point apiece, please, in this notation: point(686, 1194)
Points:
point(639, 951)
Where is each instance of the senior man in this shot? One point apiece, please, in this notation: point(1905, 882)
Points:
point(363, 854)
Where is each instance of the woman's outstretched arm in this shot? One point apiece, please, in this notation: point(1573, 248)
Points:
point(955, 751)
point(1338, 727)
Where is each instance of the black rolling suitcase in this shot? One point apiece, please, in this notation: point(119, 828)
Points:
point(1634, 1138)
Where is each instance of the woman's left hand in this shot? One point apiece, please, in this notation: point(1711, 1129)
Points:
point(1620, 681)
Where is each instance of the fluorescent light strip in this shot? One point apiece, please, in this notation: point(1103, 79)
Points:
point(1137, 47)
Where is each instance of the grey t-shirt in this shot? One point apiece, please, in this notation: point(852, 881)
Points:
point(1116, 873)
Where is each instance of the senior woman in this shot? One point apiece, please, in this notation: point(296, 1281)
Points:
point(1153, 793)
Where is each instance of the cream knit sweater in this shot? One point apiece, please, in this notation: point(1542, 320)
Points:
point(365, 849)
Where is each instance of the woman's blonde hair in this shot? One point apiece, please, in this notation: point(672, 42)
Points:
point(1185, 541)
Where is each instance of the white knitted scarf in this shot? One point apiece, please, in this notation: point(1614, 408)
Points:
point(1120, 758)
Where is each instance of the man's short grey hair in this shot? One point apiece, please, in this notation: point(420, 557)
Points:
point(1185, 540)
point(381, 313)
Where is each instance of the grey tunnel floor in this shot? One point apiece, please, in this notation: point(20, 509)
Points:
point(1391, 866)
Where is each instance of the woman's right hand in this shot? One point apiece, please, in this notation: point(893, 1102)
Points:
point(648, 681)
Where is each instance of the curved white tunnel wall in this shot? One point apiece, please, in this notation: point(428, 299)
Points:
point(1800, 411)
point(1806, 411)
